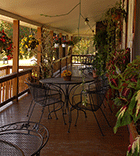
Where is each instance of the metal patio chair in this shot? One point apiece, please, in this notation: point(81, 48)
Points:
point(29, 137)
point(46, 96)
point(90, 99)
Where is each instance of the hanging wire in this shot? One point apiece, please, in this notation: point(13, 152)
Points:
point(62, 14)
point(79, 4)
point(79, 17)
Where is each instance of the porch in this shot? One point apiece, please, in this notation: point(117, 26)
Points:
point(85, 139)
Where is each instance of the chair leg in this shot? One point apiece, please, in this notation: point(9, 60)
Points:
point(49, 115)
point(98, 124)
point(41, 114)
point(105, 117)
point(76, 118)
point(63, 115)
point(29, 108)
point(109, 106)
point(84, 113)
point(104, 105)
point(55, 112)
point(31, 112)
point(70, 119)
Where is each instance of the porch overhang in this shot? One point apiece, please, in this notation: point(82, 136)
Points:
point(67, 17)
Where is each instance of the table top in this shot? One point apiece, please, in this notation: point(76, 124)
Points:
point(7, 148)
point(59, 80)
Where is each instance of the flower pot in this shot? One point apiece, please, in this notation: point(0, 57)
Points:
point(67, 78)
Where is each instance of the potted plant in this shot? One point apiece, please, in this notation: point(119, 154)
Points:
point(117, 12)
point(128, 85)
point(114, 22)
point(66, 74)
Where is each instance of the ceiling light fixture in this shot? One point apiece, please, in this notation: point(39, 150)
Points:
point(86, 21)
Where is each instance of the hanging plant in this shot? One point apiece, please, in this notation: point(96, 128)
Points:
point(6, 45)
point(27, 45)
point(70, 43)
point(47, 55)
point(114, 21)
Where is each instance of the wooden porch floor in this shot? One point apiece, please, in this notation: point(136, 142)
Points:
point(83, 140)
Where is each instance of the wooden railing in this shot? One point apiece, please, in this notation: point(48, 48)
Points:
point(61, 64)
point(8, 69)
point(7, 87)
point(82, 59)
point(7, 77)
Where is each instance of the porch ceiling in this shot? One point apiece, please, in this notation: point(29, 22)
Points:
point(31, 10)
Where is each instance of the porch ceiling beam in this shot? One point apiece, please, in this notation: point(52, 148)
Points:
point(18, 17)
point(23, 19)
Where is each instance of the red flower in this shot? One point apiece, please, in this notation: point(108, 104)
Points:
point(3, 40)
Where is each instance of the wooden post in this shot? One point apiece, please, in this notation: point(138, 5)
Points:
point(60, 68)
point(67, 63)
point(8, 82)
point(15, 57)
point(51, 37)
point(66, 48)
point(71, 60)
point(39, 30)
point(60, 47)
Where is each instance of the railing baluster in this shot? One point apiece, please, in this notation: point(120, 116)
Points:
point(0, 93)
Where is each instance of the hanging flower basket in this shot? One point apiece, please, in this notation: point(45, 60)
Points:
point(27, 44)
point(6, 45)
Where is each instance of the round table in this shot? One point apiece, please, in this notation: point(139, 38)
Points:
point(7, 148)
point(60, 81)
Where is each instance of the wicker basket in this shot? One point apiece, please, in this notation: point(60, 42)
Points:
point(67, 78)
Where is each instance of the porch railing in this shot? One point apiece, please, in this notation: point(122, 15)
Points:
point(82, 59)
point(7, 78)
point(7, 85)
point(61, 64)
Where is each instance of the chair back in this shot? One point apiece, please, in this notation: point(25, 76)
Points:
point(29, 136)
point(39, 93)
point(91, 97)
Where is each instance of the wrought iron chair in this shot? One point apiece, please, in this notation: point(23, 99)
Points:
point(90, 99)
point(28, 136)
point(49, 95)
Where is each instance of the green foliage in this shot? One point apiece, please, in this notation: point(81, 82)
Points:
point(114, 20)
point(129, 92)
point(100, 43)
point(27, 44)
point(127, 82)
point(81, 46)
point(47, 55)
point(24, 32)
point(108, 37)
point(123, 118)
point(6, 44)
point(100, 39)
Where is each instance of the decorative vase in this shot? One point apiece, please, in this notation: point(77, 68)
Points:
point(67, 78)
